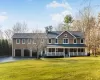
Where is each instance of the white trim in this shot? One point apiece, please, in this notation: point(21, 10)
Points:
point(63, 41)
point(14, 53)
point(22, 41)
point(51, 42)
point(30, 52)
point(74, 39)
point(17, 42)
point(65, 31)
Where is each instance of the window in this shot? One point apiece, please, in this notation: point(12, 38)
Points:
point(23, 41)
point(65, 40)
point(50, 41)
point(29, 41)
point(17, 41)
point(75, 40)
point(65, 35)
point(51, 49)
point(82, 41)
point(82, 50)
point(56, 41)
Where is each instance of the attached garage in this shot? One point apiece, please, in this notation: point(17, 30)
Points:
point(26, 53)
point(17, 52)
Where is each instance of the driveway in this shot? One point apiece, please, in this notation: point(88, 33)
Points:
point(10, 59)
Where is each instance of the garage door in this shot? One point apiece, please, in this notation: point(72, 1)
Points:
point(26, 53)
point(17, 52)
point(34, 54)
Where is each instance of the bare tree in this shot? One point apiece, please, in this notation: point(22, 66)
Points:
point(39, 40)
point(1, 33)
point(20, 28)
point(8, 35)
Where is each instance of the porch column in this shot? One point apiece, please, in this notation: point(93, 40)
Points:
point(85, 51)
point(46, 51)
point(55, 52)
point(64, 51)
point(77, 51)
point(31, 53)
point(22, 52)
point(69, 52)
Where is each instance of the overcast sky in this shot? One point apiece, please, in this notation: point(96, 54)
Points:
point(39, 13)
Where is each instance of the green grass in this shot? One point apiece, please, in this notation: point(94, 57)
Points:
point(76, 68)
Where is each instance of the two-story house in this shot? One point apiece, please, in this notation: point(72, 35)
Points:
point(59, 43)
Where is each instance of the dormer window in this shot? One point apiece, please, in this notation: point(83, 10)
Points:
point(56, 41)
point(75, 41)
point(50, 41)
point(82, 41)
point(65, 35)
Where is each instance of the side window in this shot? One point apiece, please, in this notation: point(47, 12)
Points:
point(82, 40)
point(50, 41)
point(56, 41)
point(17, 41)
point(75, 41)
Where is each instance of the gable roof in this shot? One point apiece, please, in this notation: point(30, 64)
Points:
point(68, 32)
point(54, 34)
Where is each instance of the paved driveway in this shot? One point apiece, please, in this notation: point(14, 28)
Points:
point(10, 59)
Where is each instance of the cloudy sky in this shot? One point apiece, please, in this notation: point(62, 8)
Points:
point(39, 13)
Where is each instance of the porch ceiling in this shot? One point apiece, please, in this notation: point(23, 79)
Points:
point(66, 45)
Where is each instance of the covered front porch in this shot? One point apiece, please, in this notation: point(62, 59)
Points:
point(65, 52)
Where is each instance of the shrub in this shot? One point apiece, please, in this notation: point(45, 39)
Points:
point(88, 54)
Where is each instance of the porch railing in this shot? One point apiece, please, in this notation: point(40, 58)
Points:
point(55, 54)
point(63, 54)
point(77, 54)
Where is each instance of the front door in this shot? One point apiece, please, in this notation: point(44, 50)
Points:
point(66, 51)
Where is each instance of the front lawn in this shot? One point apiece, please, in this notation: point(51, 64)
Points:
point(76, 68)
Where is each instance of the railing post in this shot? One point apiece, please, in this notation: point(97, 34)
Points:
point(69, 52)
point(55, 52)
point(77, 51)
